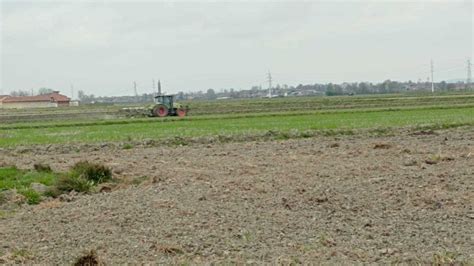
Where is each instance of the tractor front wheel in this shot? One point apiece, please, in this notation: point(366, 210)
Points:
point(181, 112)
point(160, 111)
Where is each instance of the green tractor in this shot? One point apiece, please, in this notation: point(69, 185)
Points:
point(165, 105)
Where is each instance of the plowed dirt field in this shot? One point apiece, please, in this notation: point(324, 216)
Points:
point(346, 199)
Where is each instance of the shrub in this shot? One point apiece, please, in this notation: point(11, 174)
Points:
point(97, 173)
point(82, 178)
point(67, 183)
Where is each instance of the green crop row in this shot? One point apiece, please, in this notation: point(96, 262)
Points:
point(235, 125)
point(241, 106)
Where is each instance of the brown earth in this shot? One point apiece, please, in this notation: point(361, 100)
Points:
point(405, 198)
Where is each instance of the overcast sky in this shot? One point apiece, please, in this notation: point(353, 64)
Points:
point(101, 47)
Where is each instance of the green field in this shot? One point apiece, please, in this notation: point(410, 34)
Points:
point(442, 111)
point(200, 108)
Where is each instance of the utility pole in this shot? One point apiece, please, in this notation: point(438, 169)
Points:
point(269, 84)
point(432, 81)
point(135, 89)
point(469, 75)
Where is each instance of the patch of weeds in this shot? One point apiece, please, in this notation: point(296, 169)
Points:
point(12, 178)
point(3, 199)
point(307, 134)
point(32, 197)
point(445, 258)
point(224, 138)
point(5, 214)
point(127, 146)
point(179, 141)
point(139, 180)
point(429, 129)
point(170, 250)
point(272, 133)
point(247, 236)
point(82, 178)
point(97, 173)
point(283, 136)
point(347, 132)
point(436, 158)
point(329, 133)
point(295, 261)
point(20, 255)
point(327, 241)
point(68, 183)
point(39, 167)
point(129, 138)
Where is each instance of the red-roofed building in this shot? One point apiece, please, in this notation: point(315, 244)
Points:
point(54, 99)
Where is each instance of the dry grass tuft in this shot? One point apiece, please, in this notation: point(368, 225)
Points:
point(170, 250)
point(382, 146)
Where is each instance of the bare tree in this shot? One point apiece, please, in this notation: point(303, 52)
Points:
point(19, 93)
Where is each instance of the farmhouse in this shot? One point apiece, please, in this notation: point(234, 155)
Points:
point(54, 99)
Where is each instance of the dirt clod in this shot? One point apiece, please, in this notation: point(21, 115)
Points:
point(90, 258)
point(382, 146)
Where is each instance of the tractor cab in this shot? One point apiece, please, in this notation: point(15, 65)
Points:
point(165, 100)
point(165, 105)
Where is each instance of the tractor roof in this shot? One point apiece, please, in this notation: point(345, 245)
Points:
point(165, 95)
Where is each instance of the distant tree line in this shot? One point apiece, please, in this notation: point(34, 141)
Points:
point(40, 91)
point(329, 89)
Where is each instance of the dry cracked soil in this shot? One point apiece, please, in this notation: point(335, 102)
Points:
point(346, 199)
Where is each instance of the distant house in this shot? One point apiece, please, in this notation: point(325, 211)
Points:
point(54, 99)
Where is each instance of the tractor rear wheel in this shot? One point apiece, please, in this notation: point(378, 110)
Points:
point(160, 110)
point(181, 112)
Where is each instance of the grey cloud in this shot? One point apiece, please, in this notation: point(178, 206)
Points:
point(102, 47)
